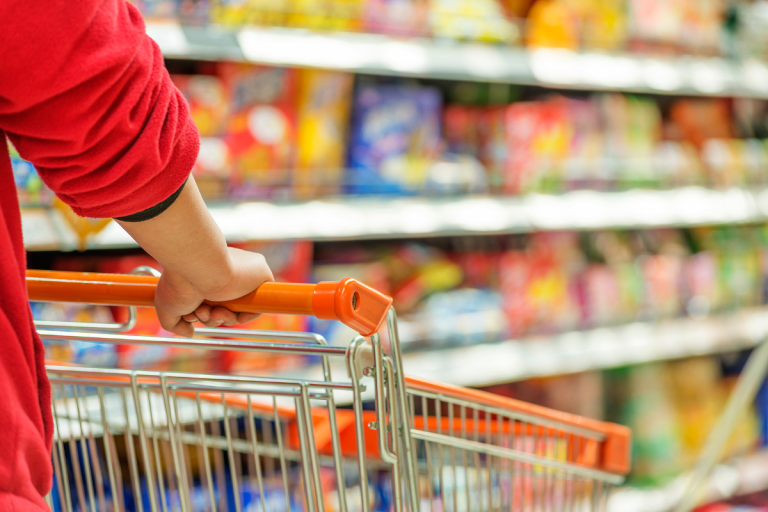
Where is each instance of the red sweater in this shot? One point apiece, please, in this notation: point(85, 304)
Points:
point(85, 97)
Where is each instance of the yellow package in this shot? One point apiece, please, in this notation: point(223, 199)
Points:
point(323, 115)
point(343, 15)
point(237, 13)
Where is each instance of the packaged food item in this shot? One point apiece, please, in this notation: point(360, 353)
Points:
point(235, 13)
point(604, 24)
point(553, 23)
point(262, 128)
point(638, 396)
point(395, 136)
point(396, 17)
point(323, 118)
point(474, 20)
point(342, 15)
point(538, 138)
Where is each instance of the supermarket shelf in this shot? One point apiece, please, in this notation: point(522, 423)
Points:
point(386, 55)
point(578, 351)
point(390, 218)
point(738, 477)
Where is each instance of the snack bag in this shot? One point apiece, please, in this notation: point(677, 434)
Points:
point(261, 135)
point(323, 114)
point(397, 17)
point(474, 20)
point(538, 140)
point(395, 136)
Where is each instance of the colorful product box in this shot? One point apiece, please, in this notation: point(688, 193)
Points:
point(323, 110)
point(397, 17)
point(262, 128)
point(395, 136)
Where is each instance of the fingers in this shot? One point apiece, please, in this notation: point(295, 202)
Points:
point(175, 324)
point(203, 314)
point(206, 315)
point(244, 318)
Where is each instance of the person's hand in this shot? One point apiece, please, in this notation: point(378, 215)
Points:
point(178, 300)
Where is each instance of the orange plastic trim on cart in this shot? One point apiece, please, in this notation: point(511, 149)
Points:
point(360, 307)
point(614, 449)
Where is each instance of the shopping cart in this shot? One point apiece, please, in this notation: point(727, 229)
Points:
point(377, 439)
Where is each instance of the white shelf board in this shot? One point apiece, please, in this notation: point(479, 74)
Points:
point(597, 349)
point(452, 60)
point(409, 217)
point(487, 364)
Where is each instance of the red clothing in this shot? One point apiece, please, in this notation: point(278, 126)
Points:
point(85, 97)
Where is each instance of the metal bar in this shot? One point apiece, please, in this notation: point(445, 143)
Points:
point(132, 464)
point(207, 344)
point(746, 388)
point(357, 406)
point(231, 454)
point(517, 455)
point(156, 453)
point(409, 454)
point(305, 463)
point(87, 461)
point(144, 448)
point(281, 451)
point(173, 441)
point(430, 479)
point(206, 457)
point(251, 431)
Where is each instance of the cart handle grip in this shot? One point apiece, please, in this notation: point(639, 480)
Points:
point(356, 305)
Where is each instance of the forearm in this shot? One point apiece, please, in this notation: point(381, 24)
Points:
point(197, 264)
point(185, 240)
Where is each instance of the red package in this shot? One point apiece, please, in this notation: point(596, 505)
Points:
point(262, 129)
point(514, 280)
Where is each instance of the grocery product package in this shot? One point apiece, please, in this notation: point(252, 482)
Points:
point(395, 137)
point(474, 20)
point(396, 17)
point(324, 99)
point(262, 130)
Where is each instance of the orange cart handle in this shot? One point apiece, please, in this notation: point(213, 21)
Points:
point(356, 305)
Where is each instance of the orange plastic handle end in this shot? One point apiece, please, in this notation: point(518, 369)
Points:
point(360, 307)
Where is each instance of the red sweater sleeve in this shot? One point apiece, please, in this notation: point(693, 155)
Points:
point(84, 96)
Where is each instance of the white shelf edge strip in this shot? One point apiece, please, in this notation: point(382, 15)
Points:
point(381, 54)
point(578, 351)
point(382, 218)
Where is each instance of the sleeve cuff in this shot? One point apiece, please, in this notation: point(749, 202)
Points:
point(153, 211)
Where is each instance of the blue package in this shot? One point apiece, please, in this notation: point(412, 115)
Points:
point(394, 138)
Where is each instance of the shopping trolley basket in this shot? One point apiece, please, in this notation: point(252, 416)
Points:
point(376, 439)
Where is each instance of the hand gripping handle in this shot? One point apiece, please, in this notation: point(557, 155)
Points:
point(356, 305)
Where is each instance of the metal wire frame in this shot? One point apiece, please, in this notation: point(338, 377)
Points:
point(169, 424)
point(186, 441)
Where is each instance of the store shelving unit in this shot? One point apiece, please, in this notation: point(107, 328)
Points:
point(419, 57)
point(486, 364)
point(596, 349)
point(397, 218)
